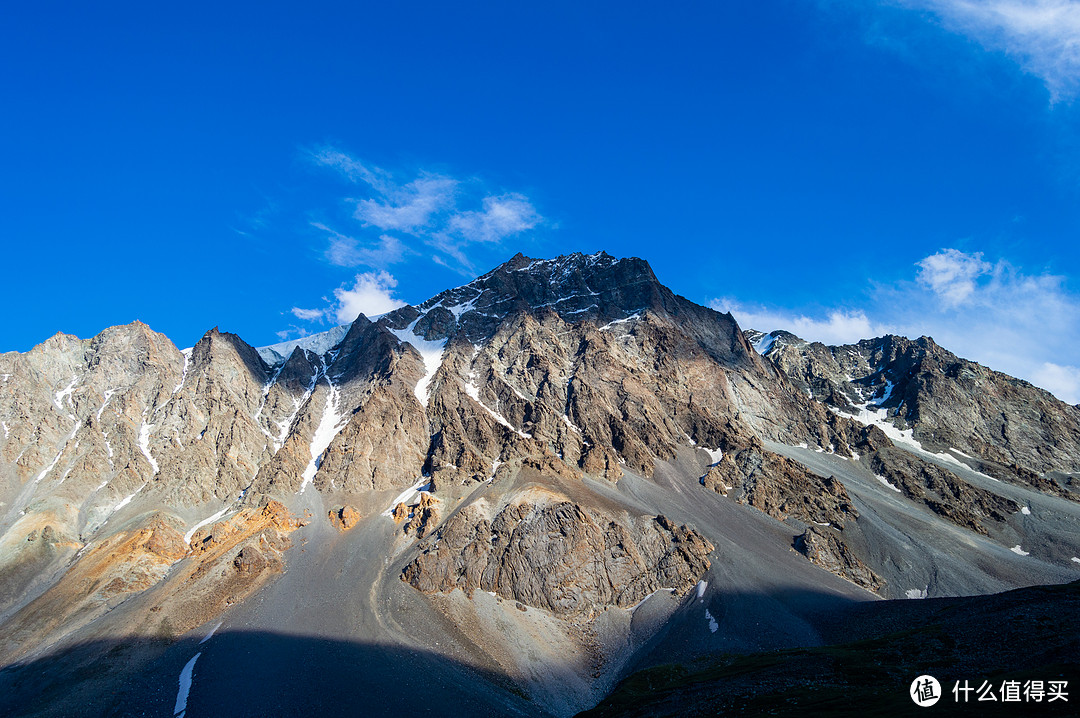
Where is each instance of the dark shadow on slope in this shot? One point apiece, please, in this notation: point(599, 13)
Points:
point(255, 674)
point(876, 652)
point(825, 655)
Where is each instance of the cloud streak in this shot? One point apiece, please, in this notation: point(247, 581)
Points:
point(345, 251)
point(1026, 325)
point(447, 214)
point(1043, 36)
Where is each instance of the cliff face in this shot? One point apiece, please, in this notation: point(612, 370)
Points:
point(557, 556)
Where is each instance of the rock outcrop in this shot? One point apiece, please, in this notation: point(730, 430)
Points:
point(344, 518)
point(824, 547)
point(779, 486)
point(559, 556)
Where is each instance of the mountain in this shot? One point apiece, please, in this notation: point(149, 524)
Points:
point(505, 498)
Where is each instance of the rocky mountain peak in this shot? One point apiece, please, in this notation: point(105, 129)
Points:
point(575, 286)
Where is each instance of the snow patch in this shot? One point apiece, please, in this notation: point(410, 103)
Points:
point(634, 607)
point(885, 481)
point(458, 309)
point(108, 395)
point(204, 522)
point(126, 501)
point(1074, 558)
point(474, 393)
point(212, 631)
point(406, 495)
point(1025, 511)
point(715, 455)
point(331, 423)
point(1017, 550)
point(915, 593)
point(144, 444)
point(713, 625)
point(872, 414)
point(6, 432)
point(60, 453)
point(430, 351)
point(285, 424)
point(632, 317)
point(764, 344)
point(65, 394)
point(183, 374)
point(316, 343)
point(701, 586)
point(185, 687)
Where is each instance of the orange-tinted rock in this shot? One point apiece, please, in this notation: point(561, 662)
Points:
point(344, 518)
point(425, 516)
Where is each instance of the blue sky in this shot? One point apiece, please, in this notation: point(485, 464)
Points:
point(837, 168)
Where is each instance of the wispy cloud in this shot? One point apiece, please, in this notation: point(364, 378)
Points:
point(308, 315)
point(395, 219)
point(1043, 36)
point(445, 213)
point(346, 251)
point(1027, 325)
point(292, 331)
point(410, 207)
point(501, 217)
point(353, 170)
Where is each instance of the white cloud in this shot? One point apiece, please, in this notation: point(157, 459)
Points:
point(1026, 325)
point(371, 294)
point(308, 315)
point(838, 327)
point(1063, 381)
point(951, 274)
point(1043, 36)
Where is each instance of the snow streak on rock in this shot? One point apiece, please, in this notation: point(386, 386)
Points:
point(204, 522)
point(474, 393)
point(144, 444)
point(331, 423)
point(430, 351)
point(185, 687)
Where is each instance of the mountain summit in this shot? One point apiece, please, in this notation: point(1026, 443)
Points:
point(504, 498)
